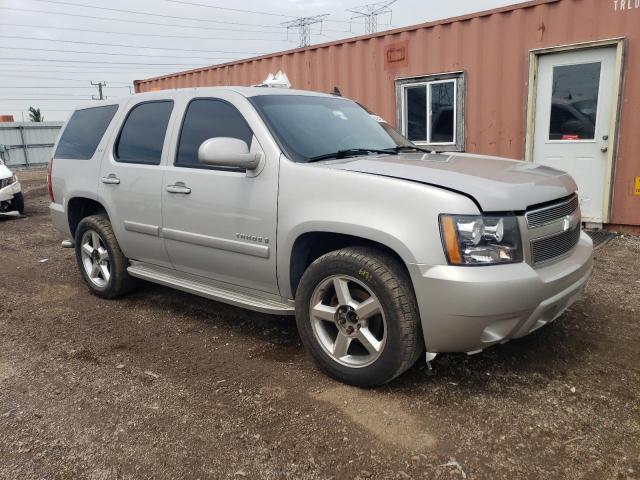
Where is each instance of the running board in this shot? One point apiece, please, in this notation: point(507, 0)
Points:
point(213, 290)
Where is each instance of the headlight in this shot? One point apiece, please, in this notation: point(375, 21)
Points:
point(480, 240)
point(5, 182)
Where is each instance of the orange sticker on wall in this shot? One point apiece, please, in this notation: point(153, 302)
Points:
point(637, 191)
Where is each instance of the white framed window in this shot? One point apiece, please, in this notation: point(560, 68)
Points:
point(431, 110)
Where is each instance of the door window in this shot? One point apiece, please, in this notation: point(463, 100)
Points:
point(84, 131)
point(574, 101)
point(142, 135)
point(207, 118)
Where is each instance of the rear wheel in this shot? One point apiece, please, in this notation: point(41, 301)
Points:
point(357, 315)
point(17, 204)
point(100, 260)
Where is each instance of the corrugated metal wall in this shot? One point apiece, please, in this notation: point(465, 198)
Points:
point(24, 144)
point(491, 48)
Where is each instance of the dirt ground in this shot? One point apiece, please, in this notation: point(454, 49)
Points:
point(166, 385)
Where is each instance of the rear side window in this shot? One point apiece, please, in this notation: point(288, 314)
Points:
point(142, 135)
point(84, 131)
point(208, 118)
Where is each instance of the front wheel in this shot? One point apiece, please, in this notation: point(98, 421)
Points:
point(357, 314)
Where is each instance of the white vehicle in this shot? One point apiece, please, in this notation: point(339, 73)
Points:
point(11, 199)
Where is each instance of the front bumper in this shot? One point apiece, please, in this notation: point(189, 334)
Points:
point(466, 309)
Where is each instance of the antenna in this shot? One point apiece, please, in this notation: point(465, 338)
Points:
point(370, 13)
point(303, 24)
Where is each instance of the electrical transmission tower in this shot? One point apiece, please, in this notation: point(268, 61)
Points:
point(99, 85)
point(370, 13)
point(303, 24)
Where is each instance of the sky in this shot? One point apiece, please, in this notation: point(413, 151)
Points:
point(51, 50)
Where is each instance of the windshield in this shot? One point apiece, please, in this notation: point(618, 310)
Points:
point(308, 127)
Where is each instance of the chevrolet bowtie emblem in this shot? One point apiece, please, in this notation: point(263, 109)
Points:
point(569, 222)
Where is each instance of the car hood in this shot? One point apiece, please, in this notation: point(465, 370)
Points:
point(496, 184)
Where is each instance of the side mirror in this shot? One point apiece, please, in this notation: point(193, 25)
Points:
point(228, 152)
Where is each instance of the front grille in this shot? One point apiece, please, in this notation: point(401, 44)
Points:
point(538, 218)
point(545, 249)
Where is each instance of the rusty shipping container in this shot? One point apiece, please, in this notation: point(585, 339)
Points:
point(555, 82)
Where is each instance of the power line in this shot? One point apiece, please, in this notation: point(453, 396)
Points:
point(160, 15)
point(183, 2)
point(52, 95)
point(100, 62)
point(48, 110)
point(41, 99)
point(230, 9)
point(45, 87)
point(141, 22)
point(126, 45)
point(115, 54)
point(104, 69)
point(135, 34)
point(370, 13)
point(303, 24)
point(60, 78)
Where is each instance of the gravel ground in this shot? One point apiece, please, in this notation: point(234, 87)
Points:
point(166, 385)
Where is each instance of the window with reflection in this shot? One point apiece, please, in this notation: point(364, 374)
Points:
point(574, 101)
point(431, 110)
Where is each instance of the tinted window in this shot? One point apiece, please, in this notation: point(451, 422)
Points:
point(142, 135)
point(204, 119)
point(574, 104)
point(84, 131)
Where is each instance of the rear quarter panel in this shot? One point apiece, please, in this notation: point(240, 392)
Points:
point(71, 178)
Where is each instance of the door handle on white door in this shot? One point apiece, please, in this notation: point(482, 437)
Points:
point(605, 145)
point(178, 187)
point(111, 179)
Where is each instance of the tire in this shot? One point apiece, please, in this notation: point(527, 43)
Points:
point(17, 203)
point(97, 230)
point(384, 345)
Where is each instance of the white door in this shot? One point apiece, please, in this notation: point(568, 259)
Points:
point(574, 104)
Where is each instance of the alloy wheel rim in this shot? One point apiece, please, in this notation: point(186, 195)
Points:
point(348, 321)
point(95, 258)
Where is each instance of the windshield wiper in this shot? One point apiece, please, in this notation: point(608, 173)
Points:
point(351, 152)
point(402, 148)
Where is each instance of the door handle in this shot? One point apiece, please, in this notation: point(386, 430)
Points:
point(111, 179)
point(178, 187)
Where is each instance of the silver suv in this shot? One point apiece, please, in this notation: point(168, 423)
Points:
point(293, 202)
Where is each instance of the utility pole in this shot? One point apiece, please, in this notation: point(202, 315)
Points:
point(303, 24)
point(370, 13)
point(99, 85)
